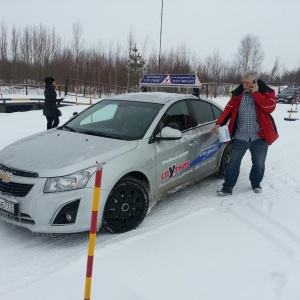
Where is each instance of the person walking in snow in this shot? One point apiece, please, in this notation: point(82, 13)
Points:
point(50, 111)
point(251, 126)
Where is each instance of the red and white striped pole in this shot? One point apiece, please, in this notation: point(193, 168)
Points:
point(92, 240)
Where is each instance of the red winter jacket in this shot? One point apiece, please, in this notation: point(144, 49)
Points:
point(265, 104)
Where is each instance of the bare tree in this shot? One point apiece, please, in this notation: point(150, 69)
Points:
point(203, 70)
point(55, 46)
point(3, 41)
point(117, 66)
point(275, 70)
point(77, 45)
point(215, 62)
point(41, 49)
point(4, 65)
point(131, 42)
point(26, 45)
point(15, 43)
point(250, 54)
point(35, 51)
point(26, 51)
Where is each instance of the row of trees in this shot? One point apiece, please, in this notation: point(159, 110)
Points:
point(36, 51)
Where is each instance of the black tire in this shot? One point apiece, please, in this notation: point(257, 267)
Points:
point(126, 206)
point(224, 160)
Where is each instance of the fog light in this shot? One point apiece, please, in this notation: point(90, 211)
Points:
point(67, 214)
point(68, 217)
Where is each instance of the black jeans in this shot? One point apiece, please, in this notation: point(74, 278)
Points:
point(52, 122)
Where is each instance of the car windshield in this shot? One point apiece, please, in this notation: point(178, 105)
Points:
point(118, 119)
point(288, 91)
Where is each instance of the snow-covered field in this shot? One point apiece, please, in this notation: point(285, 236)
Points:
point(193, 245)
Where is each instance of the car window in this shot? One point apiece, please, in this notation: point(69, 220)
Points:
point(204, 111)
point(217, 111)
point(288, 91)
point(178, 117)
point(106, 113)
point(128, 120)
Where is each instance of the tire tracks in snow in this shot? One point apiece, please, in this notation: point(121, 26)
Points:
point(266, 226)
point(41, 255)
point(37, 258)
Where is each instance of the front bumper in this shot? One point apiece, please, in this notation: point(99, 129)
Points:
point(62, 212)
point(282, 100)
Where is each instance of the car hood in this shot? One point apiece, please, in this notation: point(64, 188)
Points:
point(57, 153)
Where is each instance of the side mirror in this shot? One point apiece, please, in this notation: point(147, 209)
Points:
point(168, 133)
point(75, 113)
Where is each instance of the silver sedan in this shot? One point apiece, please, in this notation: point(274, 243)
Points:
point(150, 144)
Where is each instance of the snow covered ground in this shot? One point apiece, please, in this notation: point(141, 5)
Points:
point(193, 245)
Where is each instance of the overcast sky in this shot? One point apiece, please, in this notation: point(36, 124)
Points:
point(202, 26)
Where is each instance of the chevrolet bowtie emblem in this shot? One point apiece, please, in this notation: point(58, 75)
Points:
point(5, 177)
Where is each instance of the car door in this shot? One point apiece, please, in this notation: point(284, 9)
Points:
point(206, 114)
point(174, 157)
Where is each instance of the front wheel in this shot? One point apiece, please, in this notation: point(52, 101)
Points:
point(225, 160)
point(126, 206)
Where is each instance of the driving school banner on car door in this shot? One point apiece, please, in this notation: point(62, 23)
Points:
point(168, 80)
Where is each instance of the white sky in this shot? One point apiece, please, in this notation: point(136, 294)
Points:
point(193, 245)
point(203, 26)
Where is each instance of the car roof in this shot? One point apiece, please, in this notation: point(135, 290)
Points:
point(293, 87)
point(153, 97)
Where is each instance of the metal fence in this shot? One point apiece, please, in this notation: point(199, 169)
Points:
point(27, 89)
point(82, 88)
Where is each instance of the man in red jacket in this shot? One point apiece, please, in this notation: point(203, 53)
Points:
point(251, 126)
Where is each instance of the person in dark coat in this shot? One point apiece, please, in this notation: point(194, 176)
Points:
point(50, 110)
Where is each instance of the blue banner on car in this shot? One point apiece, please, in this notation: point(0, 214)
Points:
point(207, 153)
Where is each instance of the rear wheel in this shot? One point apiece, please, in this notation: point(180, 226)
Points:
point(126, 206)
point(225, 160)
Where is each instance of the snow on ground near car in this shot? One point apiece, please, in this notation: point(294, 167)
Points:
point(193, 245)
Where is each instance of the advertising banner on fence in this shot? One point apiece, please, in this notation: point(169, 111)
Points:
point(169, 80)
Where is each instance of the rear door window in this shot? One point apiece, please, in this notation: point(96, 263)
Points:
point(205, 112)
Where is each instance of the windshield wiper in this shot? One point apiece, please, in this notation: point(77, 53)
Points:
point(96, 133)
point(68, 128)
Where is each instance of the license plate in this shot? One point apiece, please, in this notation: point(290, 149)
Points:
point(8, 206)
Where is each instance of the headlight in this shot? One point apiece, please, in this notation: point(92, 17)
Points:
point(289, 97)
point(70, 182)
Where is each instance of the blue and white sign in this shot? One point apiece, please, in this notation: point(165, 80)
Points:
point(170, 80)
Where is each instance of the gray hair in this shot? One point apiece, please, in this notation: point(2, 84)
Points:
point(251, 73)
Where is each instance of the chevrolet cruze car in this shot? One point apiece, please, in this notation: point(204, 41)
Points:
point(150, 144)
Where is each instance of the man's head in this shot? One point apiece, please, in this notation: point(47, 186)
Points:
point(49, 80)
point(248, 78)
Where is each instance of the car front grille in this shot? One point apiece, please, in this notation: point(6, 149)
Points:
point(21, 218)
point(17, 172)
point(15, 189)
